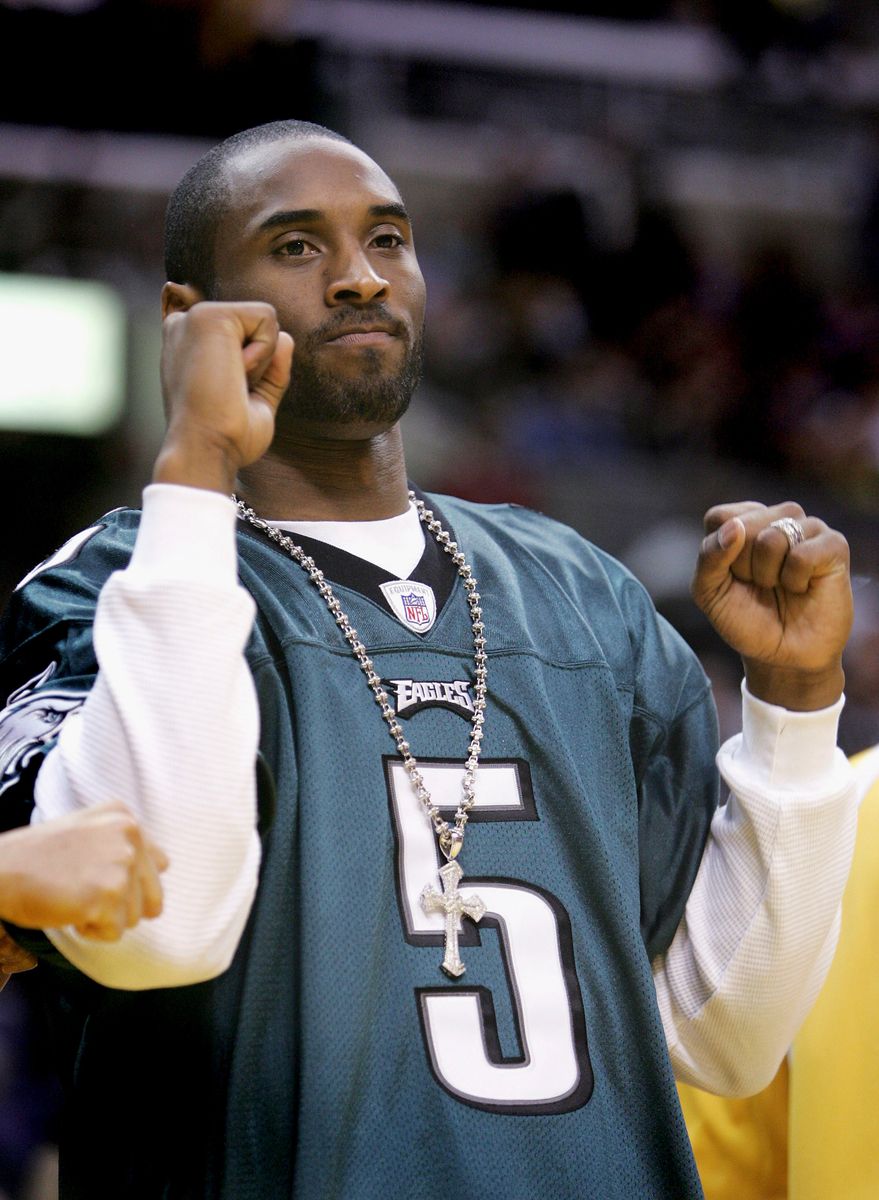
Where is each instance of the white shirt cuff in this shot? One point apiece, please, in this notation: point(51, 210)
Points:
point(788, 750)
point(186, 533)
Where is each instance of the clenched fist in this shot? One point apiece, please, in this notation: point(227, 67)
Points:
point(225, 369)
point(94, 870)
point(775, 585)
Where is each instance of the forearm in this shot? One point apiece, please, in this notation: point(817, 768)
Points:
point(170, 729)
point(760, 925)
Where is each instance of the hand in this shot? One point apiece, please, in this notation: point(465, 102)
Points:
point(786, 610)
point(12, 958)
point(225, 368)
point(94, 870)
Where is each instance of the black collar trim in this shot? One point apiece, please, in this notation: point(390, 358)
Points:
point(434, 568)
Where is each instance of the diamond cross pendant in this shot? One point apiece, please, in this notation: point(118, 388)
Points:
point(454, 906)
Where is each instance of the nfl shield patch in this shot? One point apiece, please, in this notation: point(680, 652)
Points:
point(413, 603)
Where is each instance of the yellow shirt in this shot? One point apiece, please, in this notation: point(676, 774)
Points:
point(813, 1134)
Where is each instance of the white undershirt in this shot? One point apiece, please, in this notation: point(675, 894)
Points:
point(395, 544)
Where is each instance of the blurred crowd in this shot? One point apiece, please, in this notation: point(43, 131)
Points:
point(235, 60)
point(585, 352)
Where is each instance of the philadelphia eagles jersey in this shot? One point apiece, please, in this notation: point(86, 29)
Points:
point(335, 1059)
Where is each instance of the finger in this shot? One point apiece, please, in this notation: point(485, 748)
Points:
point(106, 917)
point(717, 554)
point(771, 550)
point(125, 902)
point(755, 520)
point(823, 554)
point(721, 513)
point(134, 899)
point(22, 962)
point(764, 514)
point(103, 931)
point(6, 971)
point(159, 858)
point(253, 325)
point(274, 381)
point(151, 887)
point(271, 384)
point(12, 956)
point(259, 340)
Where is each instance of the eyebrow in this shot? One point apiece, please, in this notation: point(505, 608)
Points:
point(310, 216)
point(390, 210)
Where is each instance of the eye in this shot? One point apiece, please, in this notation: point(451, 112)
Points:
point(388, 241)
point(296, 248)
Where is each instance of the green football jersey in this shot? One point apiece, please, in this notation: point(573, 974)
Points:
point(335, 1058)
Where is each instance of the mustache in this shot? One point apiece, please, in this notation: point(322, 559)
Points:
point(349, 318)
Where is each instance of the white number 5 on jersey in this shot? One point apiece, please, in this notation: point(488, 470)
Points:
point(553, 1073)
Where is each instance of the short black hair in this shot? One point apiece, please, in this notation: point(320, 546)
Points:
point(197, 203)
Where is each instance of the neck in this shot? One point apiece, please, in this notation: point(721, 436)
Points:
point(310, 477)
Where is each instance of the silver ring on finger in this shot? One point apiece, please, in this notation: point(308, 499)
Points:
point(791, 529)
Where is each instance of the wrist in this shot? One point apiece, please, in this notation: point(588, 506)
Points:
point(794, 689)
point(195, 462)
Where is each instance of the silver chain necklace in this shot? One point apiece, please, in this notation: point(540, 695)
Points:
point(450, 902)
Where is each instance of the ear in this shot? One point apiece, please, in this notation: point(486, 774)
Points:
point(179, 297)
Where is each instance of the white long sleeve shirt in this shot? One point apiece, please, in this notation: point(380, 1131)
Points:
point(761, 921)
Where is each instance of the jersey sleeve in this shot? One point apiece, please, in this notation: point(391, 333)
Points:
point(47, 661)
point(673, 740)
point(168, 724)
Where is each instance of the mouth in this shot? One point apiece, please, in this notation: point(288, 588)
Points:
point(374, 337)
point(362, 335)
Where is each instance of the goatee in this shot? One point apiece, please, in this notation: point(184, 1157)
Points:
point(375, 395)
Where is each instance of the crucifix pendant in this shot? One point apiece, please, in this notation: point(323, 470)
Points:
point(454, 906)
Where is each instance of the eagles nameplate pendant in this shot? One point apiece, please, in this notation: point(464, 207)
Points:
point(453, 905)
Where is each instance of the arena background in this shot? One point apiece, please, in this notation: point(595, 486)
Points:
point(650, 232)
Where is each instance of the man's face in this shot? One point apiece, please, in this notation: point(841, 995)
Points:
point(317, 229)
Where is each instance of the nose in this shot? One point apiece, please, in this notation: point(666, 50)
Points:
point(354, 280)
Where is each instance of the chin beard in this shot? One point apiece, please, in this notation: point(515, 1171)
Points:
point(374, 397)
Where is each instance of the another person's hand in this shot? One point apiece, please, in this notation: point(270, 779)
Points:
point(225, 369)
point(13, 958)
point(784, 604)
point(94, 869)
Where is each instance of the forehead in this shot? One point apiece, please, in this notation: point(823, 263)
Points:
point(310, 173)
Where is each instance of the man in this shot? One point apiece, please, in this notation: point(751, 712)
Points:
point(810, 1134)
point(311, 1031)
